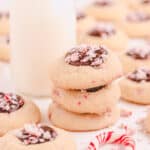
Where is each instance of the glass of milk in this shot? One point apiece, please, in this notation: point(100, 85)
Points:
point(41, 30)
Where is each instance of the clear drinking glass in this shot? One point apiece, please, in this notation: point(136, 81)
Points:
point(41, 30)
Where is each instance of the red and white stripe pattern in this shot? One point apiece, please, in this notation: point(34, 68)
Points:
point(112, 138)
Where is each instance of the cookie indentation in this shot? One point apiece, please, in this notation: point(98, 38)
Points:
point(86, 55)
point(102, 30)
point(139, 75)
point(10, 102)
point(36, 134)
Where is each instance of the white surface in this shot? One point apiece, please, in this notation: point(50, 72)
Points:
point(82, 139)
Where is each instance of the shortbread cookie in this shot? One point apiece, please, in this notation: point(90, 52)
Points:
point(4, 23)
point(37, 137)
point(143, 5)
point(137, 55)
point(135, 87)
point(15, 112)
point(106, 34)
point(108, 10)
point(83, 23)
point(136, 24)
point(84, 67)
point(4, 48)
point(82, 122)
point(97, 100)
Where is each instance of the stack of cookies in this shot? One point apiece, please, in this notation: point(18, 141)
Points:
point(85, 98)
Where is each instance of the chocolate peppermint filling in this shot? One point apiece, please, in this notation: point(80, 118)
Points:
point(140, 75)
point(80, 15)
point(141, 53)
point(10, 102)
point(95, 89)
point(36, 134)
point(138, 17)
point(103, 2)
point(92, 90)
point(86, 55)
point(102, 30)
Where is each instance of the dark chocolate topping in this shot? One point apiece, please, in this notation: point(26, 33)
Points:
point(139, 75)
point(138, 17)
point(95, 89)
point(36, 134)
point(86, 55)
point(103, 2)
point(102, 30)
point(10, 102)
point(139, 52)
point(80, 15)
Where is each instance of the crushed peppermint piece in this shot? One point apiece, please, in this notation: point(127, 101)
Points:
point(103, 2)
point(10, 102)
point(140, 51)
point(138, 17)
point(36, 134)
point(140, 75)
point(103, 30)
point(86, 55)
point(140, 121)
point(125, 113)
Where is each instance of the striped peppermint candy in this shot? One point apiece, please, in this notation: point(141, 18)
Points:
point(112, 138)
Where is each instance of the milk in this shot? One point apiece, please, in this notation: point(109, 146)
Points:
point(41, 30)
